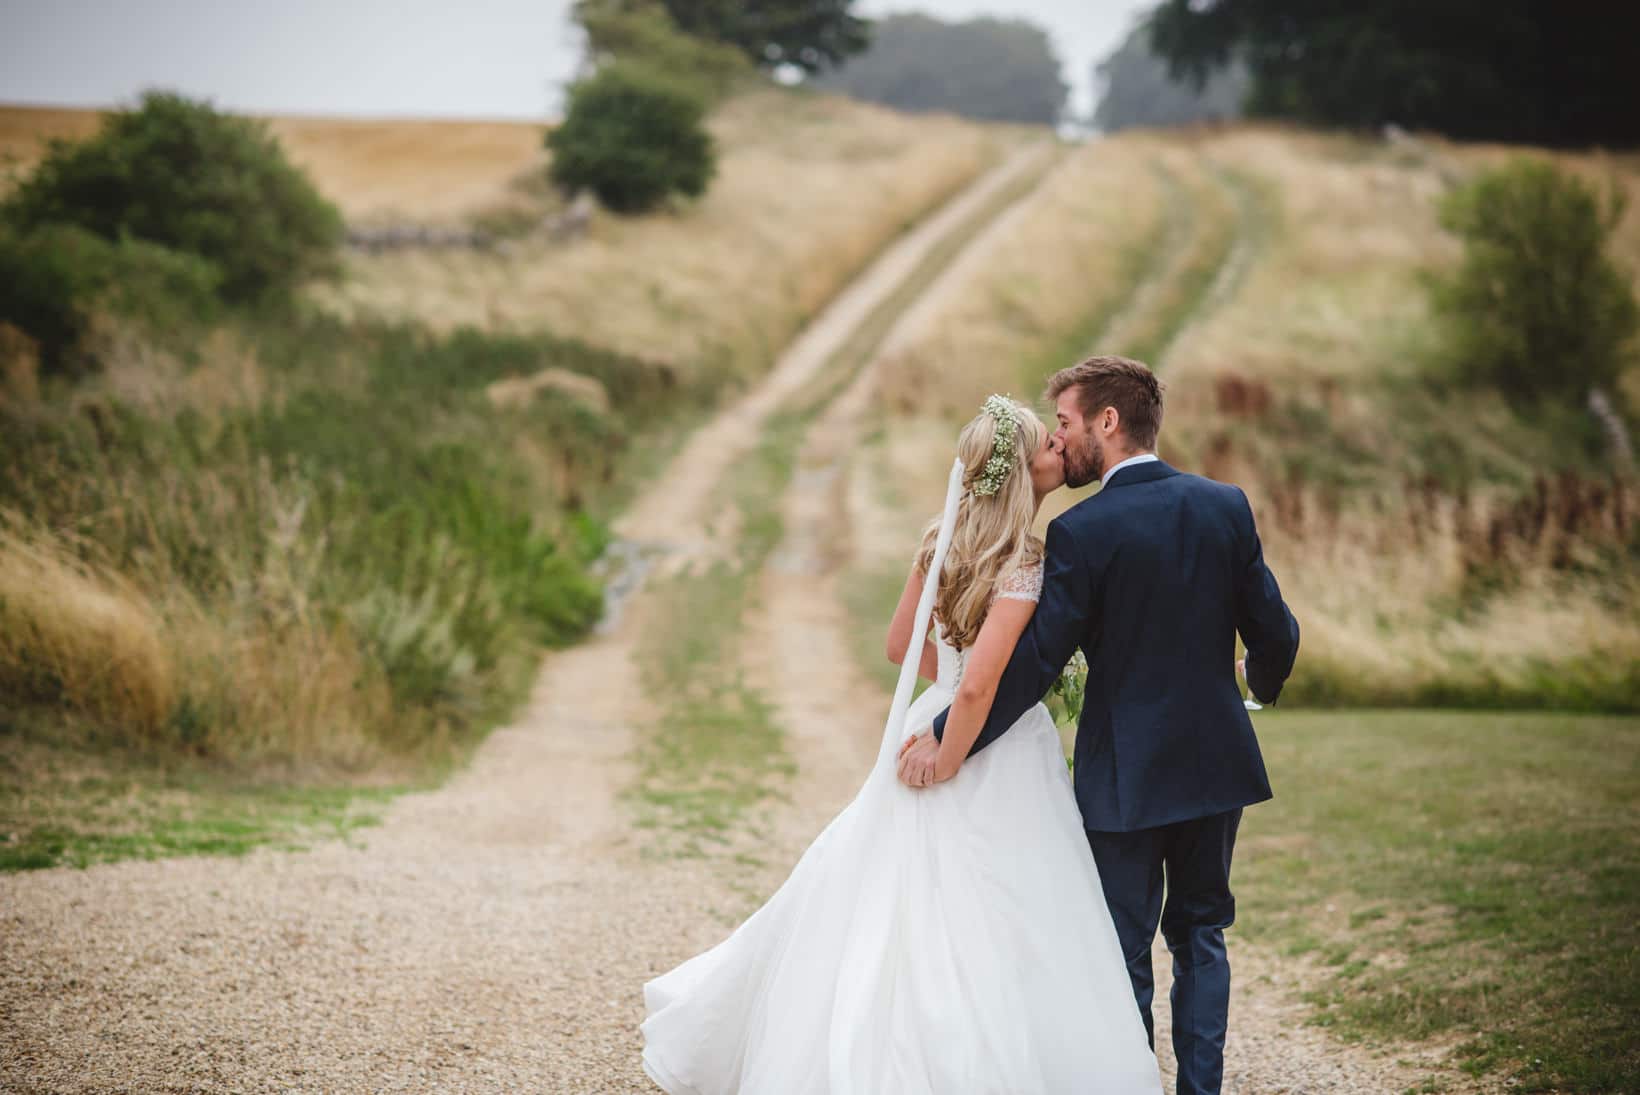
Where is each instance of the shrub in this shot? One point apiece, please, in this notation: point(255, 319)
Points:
point(1536, 307)
point(177, 173)
point(58, 277)
point(632, 136)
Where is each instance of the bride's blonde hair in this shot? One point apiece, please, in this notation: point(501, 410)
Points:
point(993, 531)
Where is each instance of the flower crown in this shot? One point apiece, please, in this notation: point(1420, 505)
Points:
point(1003, 448)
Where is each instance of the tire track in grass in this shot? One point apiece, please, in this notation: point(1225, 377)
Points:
point(799, 644)
point(711, 784)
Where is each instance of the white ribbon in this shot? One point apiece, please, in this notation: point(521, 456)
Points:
point(893, 732)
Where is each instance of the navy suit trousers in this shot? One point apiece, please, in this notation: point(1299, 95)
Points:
point(1190, 860)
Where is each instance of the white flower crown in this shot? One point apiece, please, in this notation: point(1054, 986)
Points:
point(1003, 449)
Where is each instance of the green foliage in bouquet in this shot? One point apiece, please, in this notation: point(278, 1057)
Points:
point(1069, 690)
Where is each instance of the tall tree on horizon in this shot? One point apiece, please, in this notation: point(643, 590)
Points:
point(1513, 70)
point(811, 34)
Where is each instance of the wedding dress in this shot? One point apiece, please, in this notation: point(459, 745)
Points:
point(951, 940)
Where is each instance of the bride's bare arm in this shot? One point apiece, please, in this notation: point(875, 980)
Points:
point(1004, 623)
point(899, 629)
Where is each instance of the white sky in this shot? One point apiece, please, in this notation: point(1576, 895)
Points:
point(423, 58)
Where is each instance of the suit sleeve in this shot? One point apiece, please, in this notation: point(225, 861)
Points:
point(1262, 619)
point(1047, 643)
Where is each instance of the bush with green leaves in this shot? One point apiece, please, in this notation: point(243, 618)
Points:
point(1537, 307)
point(58, 277)
point(177, 173)
point(633, 137)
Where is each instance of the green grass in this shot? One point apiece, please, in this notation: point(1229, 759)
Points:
point(367, 519)
point(374, 490)
point(77, 807)
point(721, 752)
point(1459, 874)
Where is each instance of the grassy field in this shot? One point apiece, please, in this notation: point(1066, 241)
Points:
point(1458, 876)
point(1440, 546)
point(374, 170)
point(722, 284)
point(297, 555)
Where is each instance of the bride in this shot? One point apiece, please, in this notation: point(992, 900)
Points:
point(949, 940)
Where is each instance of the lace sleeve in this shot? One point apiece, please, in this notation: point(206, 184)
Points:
point(1022, 584)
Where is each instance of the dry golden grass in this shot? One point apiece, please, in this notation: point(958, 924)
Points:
point(254, 674)
point(374, 170)
point(79, 635)
point(809, 188)
point(1067, 254)
point(1412, 590)
point(1340, 271)
point(24, 130)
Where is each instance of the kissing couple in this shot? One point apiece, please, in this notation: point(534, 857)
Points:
point(975, 921)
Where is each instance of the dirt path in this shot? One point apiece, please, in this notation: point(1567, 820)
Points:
point(493, 934)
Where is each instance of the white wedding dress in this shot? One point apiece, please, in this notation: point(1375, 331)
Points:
point(946, 941)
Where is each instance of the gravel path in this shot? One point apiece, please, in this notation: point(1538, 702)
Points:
point(494, 934)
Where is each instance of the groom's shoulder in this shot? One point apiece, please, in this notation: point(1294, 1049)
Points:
point(1213, 488)
point(1225, 499)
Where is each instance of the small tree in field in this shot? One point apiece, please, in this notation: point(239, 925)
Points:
point(632, 136)
point(177, 173)
point(1536, 308)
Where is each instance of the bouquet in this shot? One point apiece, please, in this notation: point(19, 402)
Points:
point(1070, 688)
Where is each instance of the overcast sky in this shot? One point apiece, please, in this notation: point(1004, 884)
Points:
point(427, 58)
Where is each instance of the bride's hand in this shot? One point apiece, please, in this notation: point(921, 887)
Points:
point(916, 767)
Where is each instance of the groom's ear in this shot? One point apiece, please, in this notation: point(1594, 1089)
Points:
point(1110, 420)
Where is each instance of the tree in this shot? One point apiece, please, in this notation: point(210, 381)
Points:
point(632, 136)
point(989, 69)
point(811, 34)
point(1537, 307)
point(1519, 70)
point(641, 32)
point(1139, 89)
point(177, 173)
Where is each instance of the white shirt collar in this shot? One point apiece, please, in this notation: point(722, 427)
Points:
point(1142, 458)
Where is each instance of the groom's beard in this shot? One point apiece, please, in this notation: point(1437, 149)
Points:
point(1084, 462)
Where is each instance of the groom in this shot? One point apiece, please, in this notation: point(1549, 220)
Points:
point(1153, 577)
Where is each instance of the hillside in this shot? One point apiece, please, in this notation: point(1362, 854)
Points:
point(328, 547)
point(1439, 546)
point(809, 187)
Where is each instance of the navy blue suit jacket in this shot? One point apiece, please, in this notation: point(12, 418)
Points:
point(1153, 578)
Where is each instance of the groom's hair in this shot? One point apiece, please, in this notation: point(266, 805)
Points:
point(1120, 382)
